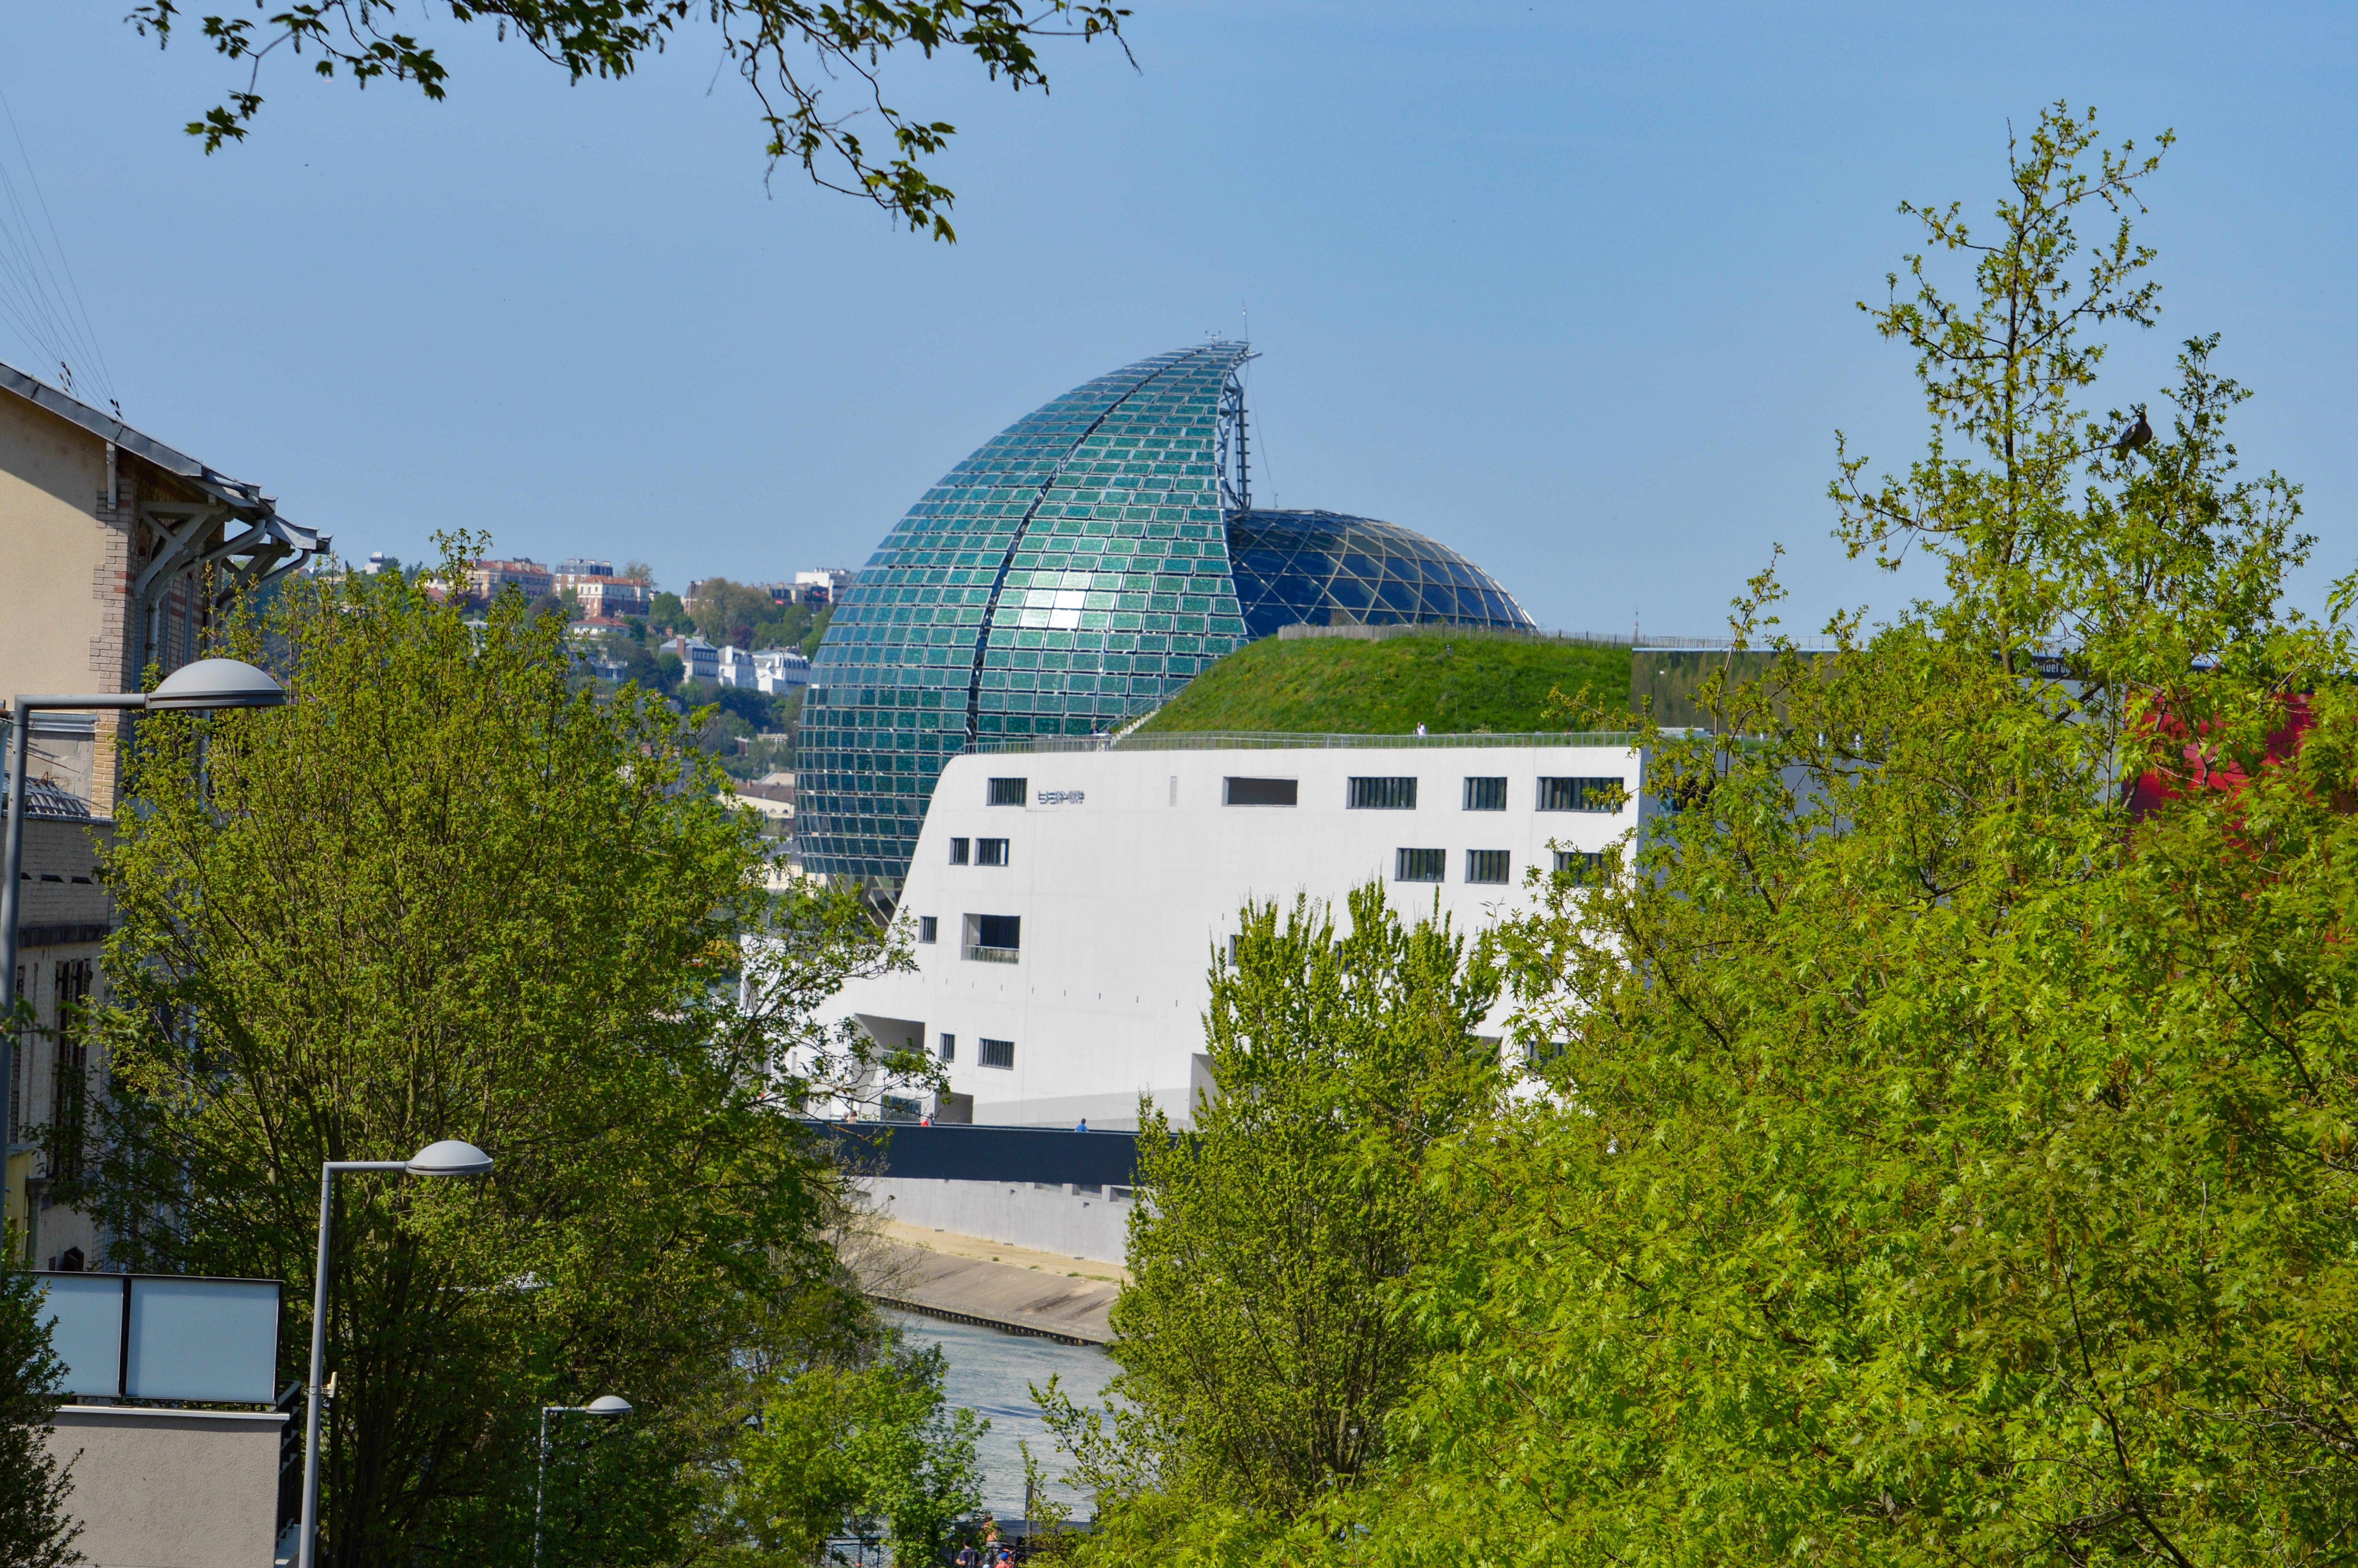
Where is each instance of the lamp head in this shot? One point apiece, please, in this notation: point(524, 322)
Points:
point(452, 1157)
point(216, 683)
point(607, 1404)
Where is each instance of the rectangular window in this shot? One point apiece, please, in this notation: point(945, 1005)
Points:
point(957, 852)
point(1580, 865)
point(1581, 794)
point(949, 1053)
point(16, 1075)
point(69, 1087)
point(1381, 795)
point(994, 939)
point(1485, 865)
point(998, 1054)
point(1421, 866)
point(1485, 794)
point(990, 851)
point(929, 927)
point(1264, 791)
point(1009, 792)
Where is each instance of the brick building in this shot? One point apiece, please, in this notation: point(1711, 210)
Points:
point(120, 552)
point(116, 552)
point(486, 578)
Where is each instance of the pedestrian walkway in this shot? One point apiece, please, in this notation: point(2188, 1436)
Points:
point(967, 1278)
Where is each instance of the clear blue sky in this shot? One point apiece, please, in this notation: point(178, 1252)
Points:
point(1569, 287)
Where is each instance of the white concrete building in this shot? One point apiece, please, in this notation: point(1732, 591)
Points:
point(824, 586)
point(780, 672)
point(700, 659)
point(734, 666)
point(1066, 896)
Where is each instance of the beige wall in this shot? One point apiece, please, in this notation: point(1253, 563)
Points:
point(52, 483)
point(157, 1488)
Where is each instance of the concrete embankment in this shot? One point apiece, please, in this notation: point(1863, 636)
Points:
point(970, 1279)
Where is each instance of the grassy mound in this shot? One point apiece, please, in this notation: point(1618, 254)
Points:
point(1449, 682)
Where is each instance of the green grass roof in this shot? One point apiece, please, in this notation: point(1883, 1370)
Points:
point(1450, 682)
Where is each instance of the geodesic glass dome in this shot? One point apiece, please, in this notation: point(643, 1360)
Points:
point(1321, 569)
point(1074, 572)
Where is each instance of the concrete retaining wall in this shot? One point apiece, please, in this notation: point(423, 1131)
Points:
point(1059, 1219)
point(166, 1488)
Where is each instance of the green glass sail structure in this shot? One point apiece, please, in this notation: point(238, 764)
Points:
point(1073, 573)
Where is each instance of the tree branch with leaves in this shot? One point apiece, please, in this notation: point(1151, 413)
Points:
point(795, 55)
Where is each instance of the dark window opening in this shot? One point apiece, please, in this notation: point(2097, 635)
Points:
point(1421, 866)
point(929, 927)
point(69, 1087)
point(1381, 795)
point(1485, 794)
point(1580, 865)
point(1264, 791)
point(1581, 794)
point(1485, 865)
point(998, 1054)
point(958, 851)
point(1009, 792)
point(990, 851)
point(949, 1053)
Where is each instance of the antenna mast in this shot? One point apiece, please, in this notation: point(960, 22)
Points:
point(1233, 457)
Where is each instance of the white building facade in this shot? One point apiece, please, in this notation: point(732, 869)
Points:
point(780, 672)
point(1067, 896)
point(699, 659)
point(734, 666)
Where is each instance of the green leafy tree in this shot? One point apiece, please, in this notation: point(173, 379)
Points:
point(443, 894)
point(36, 1531)
point(790, 52)
point(809, 641)
point(1263, 1337)
point(1948, 1164)
point(731, 613)
point(666, 613)
point(873, 1448)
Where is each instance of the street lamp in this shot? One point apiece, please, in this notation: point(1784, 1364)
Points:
point(451, 1157)
point(196, 688)
point(606, 1406)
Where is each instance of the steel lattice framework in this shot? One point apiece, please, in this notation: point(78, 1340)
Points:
point(1075, 571)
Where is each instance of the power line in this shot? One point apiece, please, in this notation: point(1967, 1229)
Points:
point(39, 292)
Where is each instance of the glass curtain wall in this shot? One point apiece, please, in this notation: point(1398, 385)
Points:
point(1070, 574)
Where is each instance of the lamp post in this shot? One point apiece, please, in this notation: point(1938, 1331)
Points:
point(451, 1157)
point(200, 686)
point(606, 1406)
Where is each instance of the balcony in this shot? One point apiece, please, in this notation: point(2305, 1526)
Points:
point(992, 939)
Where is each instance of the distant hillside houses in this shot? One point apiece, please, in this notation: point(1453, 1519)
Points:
point(773, 671)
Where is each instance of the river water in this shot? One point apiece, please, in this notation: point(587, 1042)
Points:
point(990, 1372)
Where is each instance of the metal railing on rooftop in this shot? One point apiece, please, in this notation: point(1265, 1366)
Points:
point(1265, 739)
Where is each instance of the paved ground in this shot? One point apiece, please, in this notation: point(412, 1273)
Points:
point(970, 1279)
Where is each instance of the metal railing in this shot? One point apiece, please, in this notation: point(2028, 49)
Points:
point(993, 955)
point(1260, 740)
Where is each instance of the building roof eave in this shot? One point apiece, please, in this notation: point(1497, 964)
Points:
point(247, 500)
